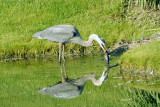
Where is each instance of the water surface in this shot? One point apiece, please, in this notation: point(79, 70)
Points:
point(21, 79)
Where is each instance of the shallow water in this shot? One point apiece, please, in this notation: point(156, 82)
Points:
point(21, 79)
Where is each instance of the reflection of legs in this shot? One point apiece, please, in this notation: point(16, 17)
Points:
point(63, 77)
point(60, 50)
point(62, 46)
point(64, 64)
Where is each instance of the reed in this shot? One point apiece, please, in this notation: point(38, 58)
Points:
point(145, 3)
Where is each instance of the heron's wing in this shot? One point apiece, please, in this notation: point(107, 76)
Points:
point(62, 90)
point(56, 34)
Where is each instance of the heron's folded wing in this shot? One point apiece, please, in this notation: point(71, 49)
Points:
point(57, 34)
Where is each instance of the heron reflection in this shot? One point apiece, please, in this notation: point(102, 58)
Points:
point(71, 88)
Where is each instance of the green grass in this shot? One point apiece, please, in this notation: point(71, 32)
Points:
point(21, 19)
point(144, 58)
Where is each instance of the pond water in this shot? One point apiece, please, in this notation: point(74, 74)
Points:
point(21, 79)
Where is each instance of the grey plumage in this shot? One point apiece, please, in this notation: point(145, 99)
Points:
point(63, 90)
point(73, 88)
point(59, 33)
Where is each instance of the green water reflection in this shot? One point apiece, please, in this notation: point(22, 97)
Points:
point(20, 80)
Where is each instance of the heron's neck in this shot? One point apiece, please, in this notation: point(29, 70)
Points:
point(86, 43)
point(81, 81)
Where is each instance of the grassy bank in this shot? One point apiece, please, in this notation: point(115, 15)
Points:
point(142, 60)
point(21, 19)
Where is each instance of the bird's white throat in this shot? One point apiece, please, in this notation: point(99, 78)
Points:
point(95, 37)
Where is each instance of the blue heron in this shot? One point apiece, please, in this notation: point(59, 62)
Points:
point(68, 34)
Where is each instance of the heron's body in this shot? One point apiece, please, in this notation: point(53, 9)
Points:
point(62, 34)
point(68, 34)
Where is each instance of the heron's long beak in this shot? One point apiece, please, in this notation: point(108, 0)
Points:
point(103, 46)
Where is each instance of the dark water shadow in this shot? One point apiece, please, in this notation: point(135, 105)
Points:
point(119, 50)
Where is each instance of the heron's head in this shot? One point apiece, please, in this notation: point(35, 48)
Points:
point(100, 40)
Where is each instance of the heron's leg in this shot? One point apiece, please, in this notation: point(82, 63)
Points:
point(60, 49)
point(63, 77)
point(63, 56)
point(64, 66)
